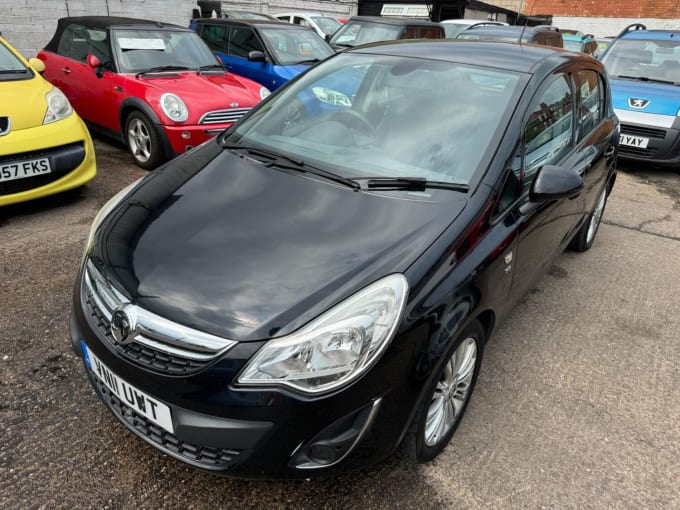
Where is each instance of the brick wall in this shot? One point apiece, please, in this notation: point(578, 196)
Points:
point(651, 9)
point(603, 27)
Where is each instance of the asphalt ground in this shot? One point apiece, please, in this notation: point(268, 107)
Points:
point(577, 404)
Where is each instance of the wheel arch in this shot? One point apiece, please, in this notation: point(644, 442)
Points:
point(134, 104)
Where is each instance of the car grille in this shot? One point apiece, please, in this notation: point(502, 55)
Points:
point(148, 349)
point(649, 152)
point(643, 131)
point(223, 116)
point(62, 160)
point(202, 456)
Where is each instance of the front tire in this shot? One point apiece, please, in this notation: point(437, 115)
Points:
point(586, 234)
point(447, 397)
point(143, 141)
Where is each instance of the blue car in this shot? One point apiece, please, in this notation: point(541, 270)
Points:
point(268, 52)
point(644, 72)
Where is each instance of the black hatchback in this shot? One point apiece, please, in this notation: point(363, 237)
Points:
point(302, 295)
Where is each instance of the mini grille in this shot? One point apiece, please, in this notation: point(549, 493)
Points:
point(210, 458)
point(143, 355)
point(223, 116)
point(643, 131)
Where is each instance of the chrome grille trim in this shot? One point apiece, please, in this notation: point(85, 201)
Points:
point(153, 331)
point(223, 116)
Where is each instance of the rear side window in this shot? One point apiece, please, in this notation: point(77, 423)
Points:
point(591, 100)
point(215, 36)
point(243, 40)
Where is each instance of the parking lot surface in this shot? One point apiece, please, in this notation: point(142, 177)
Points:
point(576, 405)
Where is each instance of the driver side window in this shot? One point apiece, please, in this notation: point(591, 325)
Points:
point(548, 134)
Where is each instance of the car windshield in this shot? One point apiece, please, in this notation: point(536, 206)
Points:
point(362, 115)
point(142, 50)
point(354, 33)
point(644, 59)
point(453, 29)
point(294, 46)
point(9, 63)
point(327, 25)
point(573, 45)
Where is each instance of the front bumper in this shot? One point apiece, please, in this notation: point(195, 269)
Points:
point(663, 148)
point(68, 145)
point(260, 433)
point(184, 138)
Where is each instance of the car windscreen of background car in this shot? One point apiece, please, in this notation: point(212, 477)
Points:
point(140, 50)
point(326, 24)
point(10, 65)
point(382, 116)
point(294, 46)
point(646, 59)
point(355, 33)
point(573, 45)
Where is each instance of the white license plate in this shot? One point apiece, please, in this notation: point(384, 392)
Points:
point(633, 141)
point(139, 401)
point(22, 169)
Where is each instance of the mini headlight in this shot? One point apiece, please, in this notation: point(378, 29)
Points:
point(104, 212)
point(264, 92)
point(335, 348)
point(58, 106)
point(174, 107)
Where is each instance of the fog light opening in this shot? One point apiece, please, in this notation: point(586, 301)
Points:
point(188, 148)
point(186, 135)
point(336, 441)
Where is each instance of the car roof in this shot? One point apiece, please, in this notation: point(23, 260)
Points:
point(114, 21)
point(251, 23)
point(651, 34)
point(524, 58)
point(393, 20)
point(303, 13)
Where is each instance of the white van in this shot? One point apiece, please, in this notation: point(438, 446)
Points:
point(322, 24)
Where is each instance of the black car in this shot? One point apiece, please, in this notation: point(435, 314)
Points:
point(541, 34)
point(371, 29)
point(299, 297)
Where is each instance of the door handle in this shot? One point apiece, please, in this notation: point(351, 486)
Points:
point(609, 153)
point(65, 70)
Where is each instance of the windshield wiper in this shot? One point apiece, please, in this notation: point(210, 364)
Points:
point(210, 66)
point(13, 71)
point(163, 68)
point(309, 61)
point(281, 161)
point(646, 79)
point(413, 183)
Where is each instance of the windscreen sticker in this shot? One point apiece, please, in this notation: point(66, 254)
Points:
point(139, 43)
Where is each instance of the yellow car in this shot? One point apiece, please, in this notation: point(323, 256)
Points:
point(44, 146)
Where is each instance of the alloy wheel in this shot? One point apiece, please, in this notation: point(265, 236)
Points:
point(139, 140)
point(451, 392)
point(596, 217)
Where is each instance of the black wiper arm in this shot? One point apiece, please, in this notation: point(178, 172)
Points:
point(158, 69)
point(210, 66)
point(281, 161)
point(309, 61)
point(646, 79)
point(414, 183)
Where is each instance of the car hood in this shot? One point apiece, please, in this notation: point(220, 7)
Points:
point(663, 99)
point(290, 72)
point(205, 92)
point(229, 246)
point(23, 101)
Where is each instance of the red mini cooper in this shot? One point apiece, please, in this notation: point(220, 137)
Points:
point(155, 86)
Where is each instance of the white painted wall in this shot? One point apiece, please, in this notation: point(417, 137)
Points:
point(603, 27)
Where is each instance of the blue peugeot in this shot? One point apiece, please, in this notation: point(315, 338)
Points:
point(644, 71)
point(268, 52)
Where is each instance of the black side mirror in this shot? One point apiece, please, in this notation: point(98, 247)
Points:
point(327, 37)
point(256, 56)
point(555, 182)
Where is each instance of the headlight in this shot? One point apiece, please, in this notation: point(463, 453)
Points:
point(174, 107)
point(335, 348)
point(331, 96)
point(58, 106)
point(264, 92)
point(104, 212)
